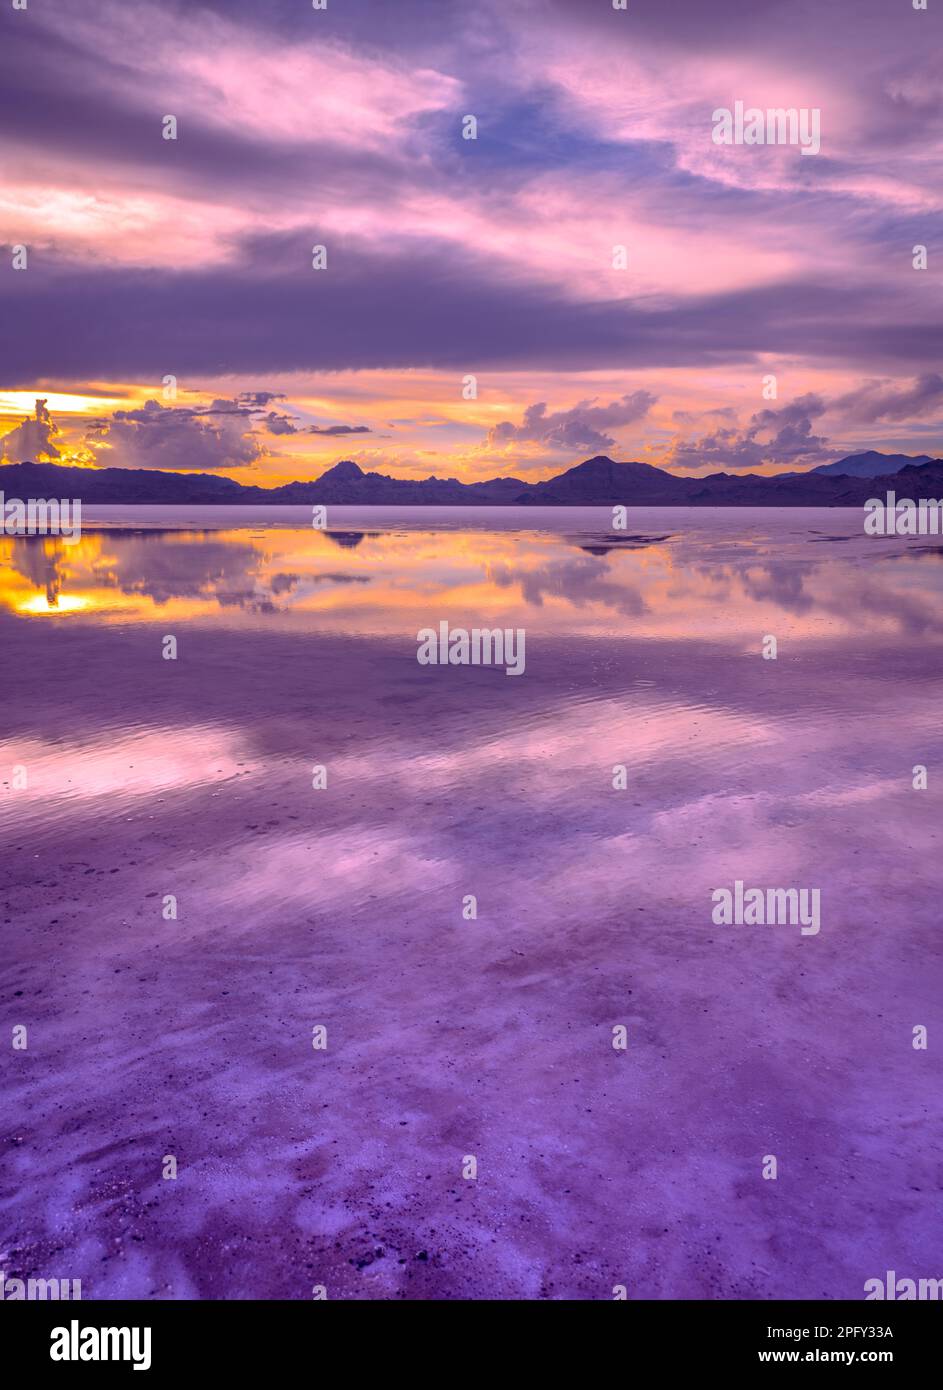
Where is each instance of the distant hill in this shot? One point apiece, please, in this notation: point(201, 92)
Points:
point(601, 481)
point(344, 483)
point(595, 482)
point(871, 464)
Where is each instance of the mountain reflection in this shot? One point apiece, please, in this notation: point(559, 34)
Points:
point(710, 575)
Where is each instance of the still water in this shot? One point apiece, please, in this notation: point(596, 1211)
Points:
point(184, 902)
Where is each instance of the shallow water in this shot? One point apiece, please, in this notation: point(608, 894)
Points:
point(450, 1037)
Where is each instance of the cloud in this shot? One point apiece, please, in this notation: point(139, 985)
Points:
point(277, 423)
point(688, 417)
point(338, 429)
point(880, 400)
point(258, 400)
point(583, 428)
point(785, 437)
point(273, 89)
point(32, 440)
point(423, 305)
point(178, 438)
point(772, 436)
point(451, 256)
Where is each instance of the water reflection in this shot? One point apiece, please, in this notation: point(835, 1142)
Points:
point(125, 781)
point(705, 576)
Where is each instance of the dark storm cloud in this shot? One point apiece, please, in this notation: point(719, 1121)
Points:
point(431, 308)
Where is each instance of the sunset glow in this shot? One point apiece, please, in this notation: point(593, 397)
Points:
point(614, 281)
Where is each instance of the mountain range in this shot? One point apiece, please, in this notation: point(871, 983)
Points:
point(871, 464)
point(597, 481)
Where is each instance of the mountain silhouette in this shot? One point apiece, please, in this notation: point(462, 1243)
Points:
point(871, 464)
point(594, 482)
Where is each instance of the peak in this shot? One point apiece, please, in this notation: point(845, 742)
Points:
point(342, 472)
point(599, 463)
point(603, 464)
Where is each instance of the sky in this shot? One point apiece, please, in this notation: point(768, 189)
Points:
point(592, 274)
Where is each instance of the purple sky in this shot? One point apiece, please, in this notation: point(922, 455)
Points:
point(450, 257)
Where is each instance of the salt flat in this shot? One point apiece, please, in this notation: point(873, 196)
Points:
point(341, 1167)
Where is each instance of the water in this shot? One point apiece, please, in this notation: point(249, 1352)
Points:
point(343, 907)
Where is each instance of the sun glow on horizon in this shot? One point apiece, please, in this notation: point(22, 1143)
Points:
point(18, 403)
